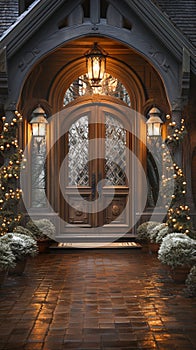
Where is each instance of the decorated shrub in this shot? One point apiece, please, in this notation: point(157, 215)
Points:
point(154, 232)
point(7, 258)
point(191, 283)
point(24, 231)
point(42, 229)
point(143, 230)
point(20, 245)
point(177, 249)
point(161, 234)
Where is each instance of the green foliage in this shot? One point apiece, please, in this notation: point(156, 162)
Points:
point(10, 192)
point(192, 234)
point(41, 229)
point(20, 245)
point(154, 232)
point(23, 231)
point(163, 232)
point(191, 283)
point(144, 229)
point(179, 220)
point(177, 249)
point(177, 134)
point(35, 231)
point(7, 258)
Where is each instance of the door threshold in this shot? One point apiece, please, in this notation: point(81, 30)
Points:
point(94, 245)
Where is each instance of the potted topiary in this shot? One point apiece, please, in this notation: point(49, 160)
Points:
point(43, 231)
point(163, 232)
point(7, 260)
point(143, 232)
point(154, 245)
point(178, 252)
point(22, 247)
point(190, 283)
point(24, 231)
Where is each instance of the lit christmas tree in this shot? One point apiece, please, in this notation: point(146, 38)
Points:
point(178, 219)
point(10, 193)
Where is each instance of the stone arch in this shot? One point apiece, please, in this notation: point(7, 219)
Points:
point(150, 49)
point(117, 69)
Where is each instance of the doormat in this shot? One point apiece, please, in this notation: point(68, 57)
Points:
point(100, 245)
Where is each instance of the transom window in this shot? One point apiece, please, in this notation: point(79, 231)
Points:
point(110, 86)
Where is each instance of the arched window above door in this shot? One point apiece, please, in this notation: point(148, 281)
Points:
point(110, 86)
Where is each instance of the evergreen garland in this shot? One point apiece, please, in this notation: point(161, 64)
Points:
point(178, 219)
point(10, 193)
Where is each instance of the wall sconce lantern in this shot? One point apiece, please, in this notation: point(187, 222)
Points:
point(39, 122)
point(96, 65)
point(154, 123)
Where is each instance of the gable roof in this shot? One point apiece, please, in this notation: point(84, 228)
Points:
point(151, 12)
point(8, 14)
point(182, 14)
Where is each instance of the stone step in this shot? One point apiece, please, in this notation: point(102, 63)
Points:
point(95, 245)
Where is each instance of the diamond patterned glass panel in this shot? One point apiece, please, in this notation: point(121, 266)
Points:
point(78, 153)
point(38, 172)
point(115, 151)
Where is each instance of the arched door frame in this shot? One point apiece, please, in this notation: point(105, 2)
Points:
point(130, 122)
point(162, 61)
point(116, 68)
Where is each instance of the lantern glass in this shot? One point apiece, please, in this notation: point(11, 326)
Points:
point(156, 129)
point(35, 129)
point(42, 129)
point(154, 123)
point(38, 122)
point(96, 64)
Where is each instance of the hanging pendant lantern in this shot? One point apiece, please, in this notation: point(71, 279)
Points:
point(96, 65)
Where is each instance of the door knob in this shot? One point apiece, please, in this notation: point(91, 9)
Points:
point(93, 186)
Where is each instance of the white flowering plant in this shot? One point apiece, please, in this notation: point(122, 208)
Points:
point(155, 231)
point(23, 230)
point(144, 229)
point(177, 249)
point(7, 258)
point(190, 283)
point(20, 245)
point(42, 229)
point(163, 232)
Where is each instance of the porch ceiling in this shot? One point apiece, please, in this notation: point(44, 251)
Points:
point(76, 50)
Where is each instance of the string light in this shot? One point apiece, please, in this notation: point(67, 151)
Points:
point(173, 180)
point(178, 134)
point(10, 194)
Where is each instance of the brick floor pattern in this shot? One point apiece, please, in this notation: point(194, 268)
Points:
point(95, 299)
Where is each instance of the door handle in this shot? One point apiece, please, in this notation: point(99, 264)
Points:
point(99, 185)
point(93, 184)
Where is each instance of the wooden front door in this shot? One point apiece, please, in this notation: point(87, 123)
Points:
point(96, 171)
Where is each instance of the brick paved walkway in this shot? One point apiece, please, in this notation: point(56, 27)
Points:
point(89, 300)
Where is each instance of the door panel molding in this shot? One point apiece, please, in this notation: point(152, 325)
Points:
point(120, 212)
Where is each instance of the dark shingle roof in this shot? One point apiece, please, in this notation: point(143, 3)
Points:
point(8, 14)
point(182, 14)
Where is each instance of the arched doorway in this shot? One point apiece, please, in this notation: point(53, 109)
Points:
point(98, 182)
point(143, 90)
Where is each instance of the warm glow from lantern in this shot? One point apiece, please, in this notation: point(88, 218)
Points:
point(154, 123)
point(96, 65)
